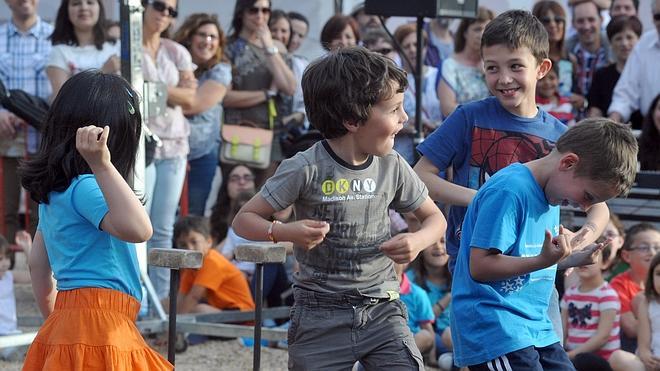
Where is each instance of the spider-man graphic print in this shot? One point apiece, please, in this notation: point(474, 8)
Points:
point(477, 140)
point(493, 150)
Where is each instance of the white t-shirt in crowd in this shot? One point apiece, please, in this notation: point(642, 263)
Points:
point(8, 321)
point(75, 59)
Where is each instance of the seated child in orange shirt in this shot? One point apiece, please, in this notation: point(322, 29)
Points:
point(218, 284)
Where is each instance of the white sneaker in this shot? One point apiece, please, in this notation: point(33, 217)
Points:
point(446, 361)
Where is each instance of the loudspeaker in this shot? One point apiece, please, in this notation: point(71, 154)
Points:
point(423, 8)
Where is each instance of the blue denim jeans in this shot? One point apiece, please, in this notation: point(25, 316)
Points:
point(201, 174)
point(163, 184)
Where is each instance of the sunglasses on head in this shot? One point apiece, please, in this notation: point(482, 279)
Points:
point(547, 20)
point(255, 9)
point(161, 7)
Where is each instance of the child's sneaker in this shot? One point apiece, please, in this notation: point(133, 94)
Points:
point(446, 361)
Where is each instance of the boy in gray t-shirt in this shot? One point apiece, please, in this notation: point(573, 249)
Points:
point(346, 292)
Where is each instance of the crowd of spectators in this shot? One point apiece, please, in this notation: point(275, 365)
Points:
point(249, 72)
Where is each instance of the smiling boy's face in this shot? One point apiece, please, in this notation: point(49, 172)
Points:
point(511, 76)
point(376, 135)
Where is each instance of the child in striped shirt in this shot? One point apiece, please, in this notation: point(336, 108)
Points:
point(590, 316)
point(549, 99)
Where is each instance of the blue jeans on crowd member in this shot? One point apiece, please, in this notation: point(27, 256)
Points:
point(276, 282)
point(163, 184)
point(200, 177)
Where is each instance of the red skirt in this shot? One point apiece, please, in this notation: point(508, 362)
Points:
point(93, 329)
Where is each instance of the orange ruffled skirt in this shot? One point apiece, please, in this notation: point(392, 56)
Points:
point(93, 329)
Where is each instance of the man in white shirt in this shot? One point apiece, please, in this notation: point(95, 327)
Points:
point(639, 83)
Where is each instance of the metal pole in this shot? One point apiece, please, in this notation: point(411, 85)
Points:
point(256, 363)
point(419, 134)
point(171, 332)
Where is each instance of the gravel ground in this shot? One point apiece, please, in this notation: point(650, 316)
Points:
point(214, 355)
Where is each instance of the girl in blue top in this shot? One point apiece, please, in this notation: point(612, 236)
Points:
point(430, 272)
point(89, 220)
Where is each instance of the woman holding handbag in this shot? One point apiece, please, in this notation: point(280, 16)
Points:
point(260, 74)
point(202, 35)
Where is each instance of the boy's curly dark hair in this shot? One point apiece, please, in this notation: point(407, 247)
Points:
point(344, 85)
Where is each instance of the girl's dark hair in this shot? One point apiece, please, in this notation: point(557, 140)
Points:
point(335, 26)
point(87, 98)
point(649, 140)
point(237, 20)
point(188, 29)
point(649, 289)
point(236, 204)
point(222, 207)
point(6, 251)
point(65, 34)
point(421, 273)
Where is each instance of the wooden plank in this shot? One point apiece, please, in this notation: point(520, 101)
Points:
point(228, 330)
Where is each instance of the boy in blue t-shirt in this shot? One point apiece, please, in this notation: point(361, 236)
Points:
point(506, 267)
point(482, 137)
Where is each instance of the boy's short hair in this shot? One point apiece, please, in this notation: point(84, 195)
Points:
point(516, 29)
point(623, 22)
point(607, 151)
point(192, 223)
point(345, 84)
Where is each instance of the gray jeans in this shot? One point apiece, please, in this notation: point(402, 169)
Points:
point(555, 315)
point(332, 332)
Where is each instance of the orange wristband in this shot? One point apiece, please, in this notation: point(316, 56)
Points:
point(270, 231)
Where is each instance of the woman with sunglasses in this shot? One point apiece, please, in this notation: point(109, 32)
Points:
point(170, 63)
point(80, 42)
point(202, 35)
point(259, 74)
point(553, 17)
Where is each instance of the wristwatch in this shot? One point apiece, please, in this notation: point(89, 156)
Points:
point(271, 50)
